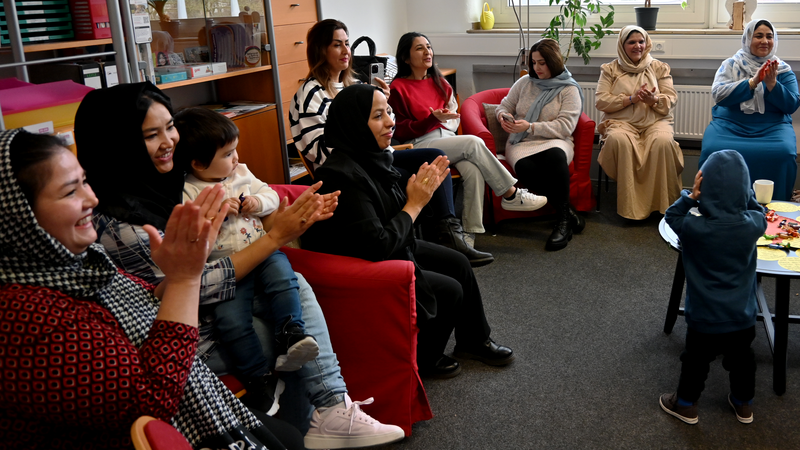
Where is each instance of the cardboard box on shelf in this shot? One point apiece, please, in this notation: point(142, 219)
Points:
point(170, 77)
point(27, 104)
point(199, 70)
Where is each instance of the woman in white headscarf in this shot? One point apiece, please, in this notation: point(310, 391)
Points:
point(636, 97)
point(756, 94)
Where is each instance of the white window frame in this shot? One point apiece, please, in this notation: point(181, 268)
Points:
point(699, 14)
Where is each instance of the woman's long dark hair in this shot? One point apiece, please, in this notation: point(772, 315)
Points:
point(551, 53)
point(404, 69)
point(319, 38)
point(112, 150)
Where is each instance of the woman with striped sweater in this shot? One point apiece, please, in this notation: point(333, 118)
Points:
point(330, 70)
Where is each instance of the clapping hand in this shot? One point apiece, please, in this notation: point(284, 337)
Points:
point(189, 236)
point(769, 73)
point(647, 96)
point(289, 222)
point(421, 186)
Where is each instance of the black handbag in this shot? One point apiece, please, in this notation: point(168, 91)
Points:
point(361, 63)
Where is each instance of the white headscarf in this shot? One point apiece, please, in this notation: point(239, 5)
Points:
point(743, 66)
point(624, 61)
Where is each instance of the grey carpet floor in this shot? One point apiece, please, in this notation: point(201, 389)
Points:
point(592, 359)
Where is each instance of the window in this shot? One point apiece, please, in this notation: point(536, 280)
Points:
point(524, 3)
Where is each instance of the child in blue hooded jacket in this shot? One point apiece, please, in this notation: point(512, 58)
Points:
point(719, 256)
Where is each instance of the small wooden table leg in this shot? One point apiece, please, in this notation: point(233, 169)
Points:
point(781, 335)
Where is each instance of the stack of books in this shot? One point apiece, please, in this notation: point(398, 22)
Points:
point(233, 109)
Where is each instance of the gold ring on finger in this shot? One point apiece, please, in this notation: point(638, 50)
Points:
point(425, 181)
point(303, 220)
point(212, 218)
point(193, 241)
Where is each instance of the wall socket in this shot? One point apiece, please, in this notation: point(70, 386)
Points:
point(659, 46)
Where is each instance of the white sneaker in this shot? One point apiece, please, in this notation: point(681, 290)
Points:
point(524, 201)
point(347, 426)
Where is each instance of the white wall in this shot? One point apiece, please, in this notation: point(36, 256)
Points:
point(383, 21)
point(386, 20)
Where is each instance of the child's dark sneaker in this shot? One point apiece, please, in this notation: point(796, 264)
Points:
point(669, 403)
point(295, 348)
point(263, 393)
point(743, 412)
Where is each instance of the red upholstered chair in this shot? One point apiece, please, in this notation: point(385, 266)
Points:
point(370, 309)
point(474, 121)
point(149, 433)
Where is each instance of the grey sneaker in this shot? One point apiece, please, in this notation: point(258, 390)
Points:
point(744, 412)
point(524, 201)
point(669, 403)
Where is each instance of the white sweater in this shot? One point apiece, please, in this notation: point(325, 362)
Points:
point(237, 232)
point(555, 124)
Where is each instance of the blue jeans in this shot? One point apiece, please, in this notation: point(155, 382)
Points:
point(277, 302)
point(317, 384)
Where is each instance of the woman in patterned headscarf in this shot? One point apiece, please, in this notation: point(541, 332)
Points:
point(636, 97)
point(87, 348)
point(756, 94)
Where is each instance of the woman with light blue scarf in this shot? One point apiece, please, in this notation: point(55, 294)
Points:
point(756, 94)
point(540, 113)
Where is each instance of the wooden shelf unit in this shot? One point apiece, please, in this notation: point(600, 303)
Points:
point(49, 46)
point(230, 73)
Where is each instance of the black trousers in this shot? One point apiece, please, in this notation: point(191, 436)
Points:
point(458, 302)
point(546, 173)
point(407, 162)
point(738, 359)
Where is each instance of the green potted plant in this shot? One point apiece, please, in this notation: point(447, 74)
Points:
point(571, 20)
point(647, 15)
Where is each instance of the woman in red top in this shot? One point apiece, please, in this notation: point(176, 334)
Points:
point(425, 109)
point(86, 348)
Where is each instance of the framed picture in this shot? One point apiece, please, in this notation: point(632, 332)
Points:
point(161, 59)
point(197, 54)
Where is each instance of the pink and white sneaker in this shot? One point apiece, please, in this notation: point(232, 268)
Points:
point(347, 426)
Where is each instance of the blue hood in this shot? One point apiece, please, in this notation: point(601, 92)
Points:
point(726, 187)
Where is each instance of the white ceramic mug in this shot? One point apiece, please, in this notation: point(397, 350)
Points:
point(763, 189)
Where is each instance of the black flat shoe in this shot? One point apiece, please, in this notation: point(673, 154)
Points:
point(445, 367)
point(488, 353)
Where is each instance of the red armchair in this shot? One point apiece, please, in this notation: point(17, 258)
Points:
point(149, 433)
point(370, 309)
point(474, 121)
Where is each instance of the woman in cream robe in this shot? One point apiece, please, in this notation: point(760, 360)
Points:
point(636, 97)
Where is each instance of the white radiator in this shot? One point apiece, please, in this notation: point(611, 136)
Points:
point(692, 113)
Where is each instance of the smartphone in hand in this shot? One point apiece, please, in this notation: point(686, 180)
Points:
point(376, 70)
point(507, 117)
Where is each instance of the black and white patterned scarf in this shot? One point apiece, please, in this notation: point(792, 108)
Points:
point(209, 414)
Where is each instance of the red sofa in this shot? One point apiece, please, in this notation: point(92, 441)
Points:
point(473, 121)
point(370, 309)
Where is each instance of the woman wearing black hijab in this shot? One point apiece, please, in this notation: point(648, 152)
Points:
point(128, 160)
point(374, 221)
